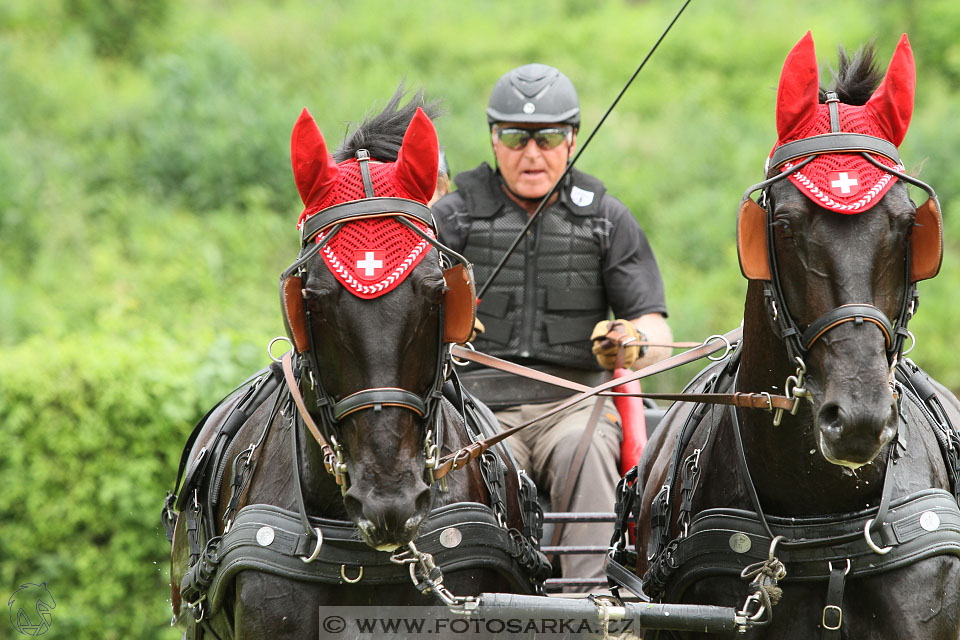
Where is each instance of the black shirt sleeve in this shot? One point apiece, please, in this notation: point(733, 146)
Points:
point(630, 272)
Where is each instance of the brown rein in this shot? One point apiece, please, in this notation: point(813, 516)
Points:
point(472, 451)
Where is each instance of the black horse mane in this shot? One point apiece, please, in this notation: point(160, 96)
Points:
point(381, 134)
point(856, 78)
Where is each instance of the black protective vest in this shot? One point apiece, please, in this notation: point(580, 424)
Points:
point(545, 302)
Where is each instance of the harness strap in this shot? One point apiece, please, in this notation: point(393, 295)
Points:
point(833, 106)
point(460, 458)
point(739, 399)
point(722, 541)
point(270, 539)
point(379, 397)
point(365, 208)
point(857, 313)
point(363, 159)
point(294, 387)
point(832, 618)
point(834, 143)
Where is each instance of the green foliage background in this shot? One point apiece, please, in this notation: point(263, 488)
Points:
point(146, 209)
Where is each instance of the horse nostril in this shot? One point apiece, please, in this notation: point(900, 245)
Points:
point(423, 501)
point(830, 420)
point(353, 506)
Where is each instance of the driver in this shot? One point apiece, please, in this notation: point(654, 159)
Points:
point(550, 307)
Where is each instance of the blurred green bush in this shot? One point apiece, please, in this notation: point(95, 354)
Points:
point(146, 210)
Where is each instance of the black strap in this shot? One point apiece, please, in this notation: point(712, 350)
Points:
point(363, 159)
point(857, 313)
point(295, 468)
point(832, 618)
point(833, 106)
point(834, 143)
point(624, 577)
point(377, 397)
point(365, 208)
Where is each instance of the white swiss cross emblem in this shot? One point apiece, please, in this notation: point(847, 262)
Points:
point(369, 264)
point(844, 183)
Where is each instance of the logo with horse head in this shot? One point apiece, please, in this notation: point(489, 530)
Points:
point(30, 607)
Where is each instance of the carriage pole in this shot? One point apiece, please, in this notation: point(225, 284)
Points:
point(641, 615)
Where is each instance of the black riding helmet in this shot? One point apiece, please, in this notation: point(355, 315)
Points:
point(535, 93)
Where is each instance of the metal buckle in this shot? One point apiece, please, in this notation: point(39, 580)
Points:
point(823, 619)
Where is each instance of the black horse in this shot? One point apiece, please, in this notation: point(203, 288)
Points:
point(313, 485)
point(846, 511)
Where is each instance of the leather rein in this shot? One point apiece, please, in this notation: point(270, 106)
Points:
point(767, 401)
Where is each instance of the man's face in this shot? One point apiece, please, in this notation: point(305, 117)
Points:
point(527, 162)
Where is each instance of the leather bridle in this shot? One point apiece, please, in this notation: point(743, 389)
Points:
point(799, 342)
point(297, 315)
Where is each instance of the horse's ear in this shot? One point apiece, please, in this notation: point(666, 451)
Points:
point(799, 89)
point(892, 102)
point(313, 167)
point(418, 158)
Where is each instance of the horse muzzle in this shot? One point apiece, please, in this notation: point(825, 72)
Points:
point(853, 434)
point(389, 520)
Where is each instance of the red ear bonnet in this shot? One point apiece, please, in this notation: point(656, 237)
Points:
point(369, 256)
point(419, 157)
point(313, 167)
point(323, 183)
point(798, 90)
point(846, 183)
point(892, 103)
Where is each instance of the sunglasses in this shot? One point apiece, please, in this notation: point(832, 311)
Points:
point(548, 138)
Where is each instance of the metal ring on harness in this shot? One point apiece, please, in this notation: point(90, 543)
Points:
point(845, 571)
point(725, 351)
point(316, 551)
point(913, 343)
point(453, 358)
point(871, 543)
point(274, 341)
point(343, 574)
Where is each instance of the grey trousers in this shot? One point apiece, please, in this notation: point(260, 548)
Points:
point(546, 450)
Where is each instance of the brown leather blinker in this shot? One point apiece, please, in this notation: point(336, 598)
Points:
point(459, 304)
point(752, 241)
point(926, 242)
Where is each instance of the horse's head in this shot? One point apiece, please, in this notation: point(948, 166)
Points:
point(840, 243)
point(363, 304)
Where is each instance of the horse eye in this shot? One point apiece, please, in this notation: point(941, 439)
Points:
point(785, 227)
